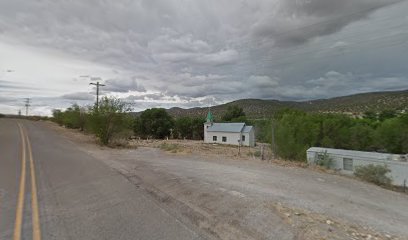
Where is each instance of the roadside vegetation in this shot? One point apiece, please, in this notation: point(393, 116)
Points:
point(296, 131)
point(293, 131)
point(170, 147)
point(376, 174)
point(110, 122)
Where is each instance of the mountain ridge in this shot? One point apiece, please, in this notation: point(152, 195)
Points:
point(355, 104)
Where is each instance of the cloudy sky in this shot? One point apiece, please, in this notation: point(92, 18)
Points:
point(164, 53)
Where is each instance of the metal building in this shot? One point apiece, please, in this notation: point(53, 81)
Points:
point(346, 161)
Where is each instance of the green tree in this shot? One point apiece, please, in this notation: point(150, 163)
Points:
point(393, 135)
point(294, 134)
point(138, 127)
point(334, 131)
point(57, 116)
point(73, 117)
point(110, 120)
point(156, 122)
point(233, 113)
point(370, 115)
point(362, 137)
point(387, 114)
point(183, 128)
point(197, 128)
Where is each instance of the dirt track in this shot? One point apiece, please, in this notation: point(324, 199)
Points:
point(249, 199)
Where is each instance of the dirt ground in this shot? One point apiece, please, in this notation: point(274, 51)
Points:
point(231, 196)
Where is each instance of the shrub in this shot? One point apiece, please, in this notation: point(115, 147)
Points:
point(170, 147)
point(376, 174)
point(155, 122)
point(325, 160)
point(110, 120)
point(257, 153)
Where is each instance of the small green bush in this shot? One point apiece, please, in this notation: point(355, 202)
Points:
point(376, 174)
point(325, 160)
point(257, 153)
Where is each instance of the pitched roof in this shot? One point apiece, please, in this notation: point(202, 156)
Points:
point(226, 127)
point(247, 129)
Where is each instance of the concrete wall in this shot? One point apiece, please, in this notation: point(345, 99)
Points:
point(399, 170)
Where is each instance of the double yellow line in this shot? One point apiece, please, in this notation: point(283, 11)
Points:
point(26, 146)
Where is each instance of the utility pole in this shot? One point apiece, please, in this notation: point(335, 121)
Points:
point(27, 104)
point(273, 139)
point(97, 84)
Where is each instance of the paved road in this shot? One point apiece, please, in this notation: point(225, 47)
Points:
point(50, 189)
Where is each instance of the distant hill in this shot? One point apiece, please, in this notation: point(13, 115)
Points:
point(353, 104)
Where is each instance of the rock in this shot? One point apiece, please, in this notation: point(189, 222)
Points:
point(328, 222)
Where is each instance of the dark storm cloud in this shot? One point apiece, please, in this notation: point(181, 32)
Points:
point(223, 49)
point(300, 21)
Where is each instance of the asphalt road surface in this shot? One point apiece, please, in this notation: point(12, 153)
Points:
point(49, 189)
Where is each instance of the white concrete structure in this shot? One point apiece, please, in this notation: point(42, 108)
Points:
point(228, 133)
point(347, 160)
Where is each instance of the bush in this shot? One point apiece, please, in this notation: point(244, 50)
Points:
point(170, 147)
point(257, 153)
point(189, 128)
point(376, 174)
point(325, 161)
point(155, 122)
point(110, 120)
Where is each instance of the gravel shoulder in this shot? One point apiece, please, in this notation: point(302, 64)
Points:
point(244, 198)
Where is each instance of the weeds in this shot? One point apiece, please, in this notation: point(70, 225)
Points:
point(376, 174)
point(324, 160)
point(173, 148)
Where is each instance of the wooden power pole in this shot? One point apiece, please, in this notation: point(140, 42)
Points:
point(97, 84)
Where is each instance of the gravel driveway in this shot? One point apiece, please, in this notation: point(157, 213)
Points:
point(235, 199)
point(250, 199)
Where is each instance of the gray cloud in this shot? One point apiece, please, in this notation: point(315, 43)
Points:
point(83, 96)
point(299, 21)
point(223, 49)
point(123, 85)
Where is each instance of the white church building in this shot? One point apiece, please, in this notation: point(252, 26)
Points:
point(228, 133)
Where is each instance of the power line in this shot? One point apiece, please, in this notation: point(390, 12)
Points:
point(97, 84)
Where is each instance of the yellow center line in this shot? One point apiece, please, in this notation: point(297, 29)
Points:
point(34, 199)
point(21, 192)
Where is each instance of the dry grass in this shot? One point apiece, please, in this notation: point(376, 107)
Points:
point(206, 149)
